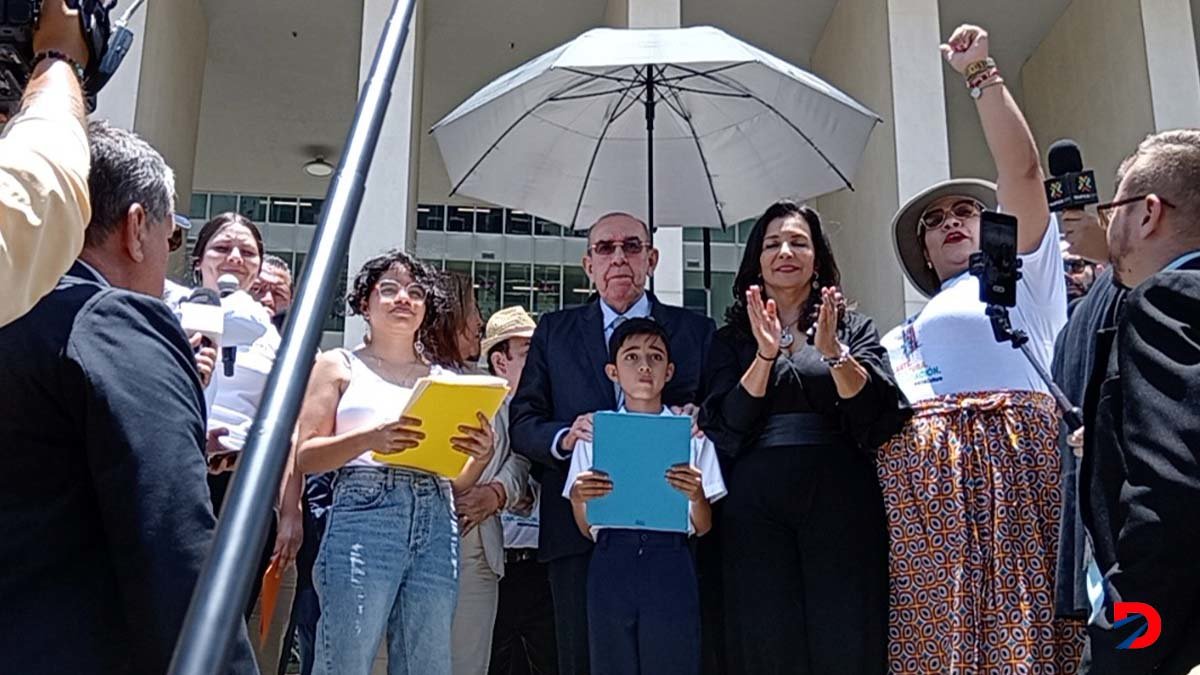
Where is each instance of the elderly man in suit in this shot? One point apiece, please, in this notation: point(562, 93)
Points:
point(1140, 474)
point(564, 383)
point(105, 519)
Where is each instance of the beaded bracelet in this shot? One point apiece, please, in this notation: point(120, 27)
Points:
point(979, 67)
point(57, 56)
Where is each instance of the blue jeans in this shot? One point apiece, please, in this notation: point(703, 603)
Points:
point(389, 559)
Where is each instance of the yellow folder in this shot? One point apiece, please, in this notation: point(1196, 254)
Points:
point(442, 403)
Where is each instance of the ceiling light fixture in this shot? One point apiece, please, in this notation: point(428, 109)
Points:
point(318, 168)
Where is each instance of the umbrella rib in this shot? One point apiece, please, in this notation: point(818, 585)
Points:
point(695, 73)
point(606, 76)
point(596, 150)
point(712, 188)
point(606, 92)
point(706, 92)
point(738, 87)
point(524, 115)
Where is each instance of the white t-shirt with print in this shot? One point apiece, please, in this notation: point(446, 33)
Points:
point(703, 457)
point(949, 348)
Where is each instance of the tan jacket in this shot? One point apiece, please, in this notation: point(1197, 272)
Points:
point(510, 470)
point(44, 208)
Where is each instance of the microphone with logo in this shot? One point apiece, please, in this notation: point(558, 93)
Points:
point(202, 313)
point(1069, 186)
point(228, 285)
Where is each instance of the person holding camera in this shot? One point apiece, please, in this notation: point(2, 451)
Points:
point(971, 485)
point(44, 166)
point(105, 513)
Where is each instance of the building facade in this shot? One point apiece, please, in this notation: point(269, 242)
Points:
point(240, 95)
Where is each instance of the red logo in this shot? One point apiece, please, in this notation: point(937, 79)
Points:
point(1127, 612)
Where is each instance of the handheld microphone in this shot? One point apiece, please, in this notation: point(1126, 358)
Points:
point(202, 313)
point(1069, 185)
point(228, 285)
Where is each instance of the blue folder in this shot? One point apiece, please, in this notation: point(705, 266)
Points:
point(636, 450)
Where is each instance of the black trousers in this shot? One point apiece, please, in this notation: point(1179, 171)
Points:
point(568, 588)
point(523, 640)
point(643, 604)
point(805, 552)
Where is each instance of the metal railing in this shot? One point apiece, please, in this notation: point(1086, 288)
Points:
point(222, 590)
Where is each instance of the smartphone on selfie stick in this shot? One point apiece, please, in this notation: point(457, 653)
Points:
point(998, 268)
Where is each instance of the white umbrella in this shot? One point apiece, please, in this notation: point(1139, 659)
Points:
point(576, 133)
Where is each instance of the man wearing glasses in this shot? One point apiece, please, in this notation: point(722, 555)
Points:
point(1140, 472)
point(564, 383)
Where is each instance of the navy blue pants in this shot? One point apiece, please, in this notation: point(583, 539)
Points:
point(643, 604)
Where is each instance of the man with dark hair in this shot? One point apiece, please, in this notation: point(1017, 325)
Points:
point(1140, 472)
point(274, 288)
point(564, 382)
point(104, 507)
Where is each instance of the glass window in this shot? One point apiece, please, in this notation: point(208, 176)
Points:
point(460, 218)
point(576, 286)
point(516, 284)
point(199, 207)
point(430, 217)
point(722, 295)
point(578, 232)
point(463, 267)
point(311, 210)
point(287, 257)
point(547, 288)
point(692, 234)
point(519, 222)
point(726, 236)
point(743, 229)
point(489, 221)
point(694, 297)
point(283, 210)
point(254, 208)
point(222, 203)
point(299, 267)
point(487, 288)
point(546, 228)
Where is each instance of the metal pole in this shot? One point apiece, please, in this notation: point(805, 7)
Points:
point(224, 586)
point(650, 156)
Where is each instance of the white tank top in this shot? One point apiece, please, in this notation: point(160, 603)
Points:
point(369, 400)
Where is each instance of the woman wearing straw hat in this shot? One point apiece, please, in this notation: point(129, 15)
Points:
point(971, 486)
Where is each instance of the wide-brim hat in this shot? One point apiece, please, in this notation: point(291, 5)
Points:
point(505, 324)
point(904, 227)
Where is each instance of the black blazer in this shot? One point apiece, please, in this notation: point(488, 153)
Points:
point(564, 378)
point(1140, 475)
point(104, 510)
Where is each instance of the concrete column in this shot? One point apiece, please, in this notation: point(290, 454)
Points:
point(1171, 62)
point(895, 69)
point(668, 279)
point(156, 92)
point(387, 216)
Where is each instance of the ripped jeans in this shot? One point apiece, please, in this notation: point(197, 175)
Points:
point(389, 559)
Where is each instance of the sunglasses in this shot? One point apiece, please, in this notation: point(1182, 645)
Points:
point(630, 247)
point(176, 239)
point(1130, 200)
point(390, 290)
point(1075, 266)
point(933, 219)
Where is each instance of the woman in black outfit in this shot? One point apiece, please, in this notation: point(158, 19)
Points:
point(800, 394)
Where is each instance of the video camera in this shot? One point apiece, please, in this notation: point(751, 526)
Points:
point(106, 47)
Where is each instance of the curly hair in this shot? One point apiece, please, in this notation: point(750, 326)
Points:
point(825, 269)
point(373, 269)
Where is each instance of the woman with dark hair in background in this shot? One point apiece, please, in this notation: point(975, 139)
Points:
point(389, 557)
point(232, 245)
point(456, 333)
point(800, 394)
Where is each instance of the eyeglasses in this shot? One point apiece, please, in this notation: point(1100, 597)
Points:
point(631, 247)
point(933, 219)
point(1130, 200)
point(390, 290)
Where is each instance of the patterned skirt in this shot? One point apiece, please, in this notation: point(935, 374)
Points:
point(971, 488)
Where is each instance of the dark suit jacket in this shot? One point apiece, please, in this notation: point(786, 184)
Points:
point(1140, 475)
point(564, 378)
point(1074, 353)
point(104, 510)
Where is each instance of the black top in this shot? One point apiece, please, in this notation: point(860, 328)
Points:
point(105, 519)
point(1139, 481)
point(564, 378)
point(800, 383)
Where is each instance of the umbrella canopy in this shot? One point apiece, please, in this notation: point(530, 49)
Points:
point(567, 136)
